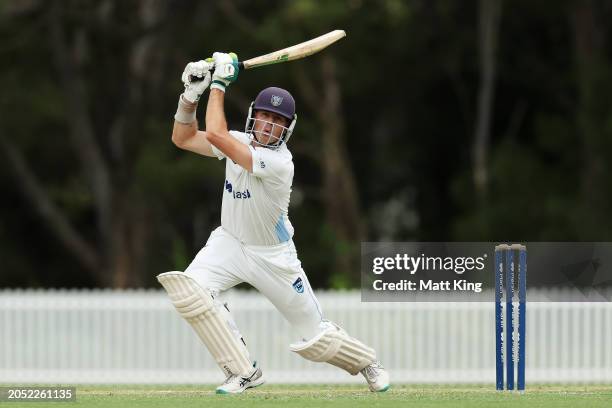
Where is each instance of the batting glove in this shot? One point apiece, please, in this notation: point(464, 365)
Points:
point(196, 78)
point(226, 70)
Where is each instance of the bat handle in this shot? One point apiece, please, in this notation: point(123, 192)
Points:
point(196, 79)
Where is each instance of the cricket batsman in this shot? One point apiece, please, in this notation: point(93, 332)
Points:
point(254, 242)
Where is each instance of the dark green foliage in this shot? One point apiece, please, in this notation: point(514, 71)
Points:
point(408, 74)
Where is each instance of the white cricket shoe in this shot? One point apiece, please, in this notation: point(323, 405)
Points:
point(235, 384)
point(377, 377)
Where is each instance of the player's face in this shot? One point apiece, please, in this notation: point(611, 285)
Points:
point(268, 127)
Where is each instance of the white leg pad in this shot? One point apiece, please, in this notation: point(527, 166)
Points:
point(334, 346)
point(203, 313)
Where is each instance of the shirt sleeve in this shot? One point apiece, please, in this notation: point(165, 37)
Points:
point(217, 152)
point(271, 165)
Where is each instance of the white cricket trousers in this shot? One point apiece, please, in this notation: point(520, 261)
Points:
point(275, 271)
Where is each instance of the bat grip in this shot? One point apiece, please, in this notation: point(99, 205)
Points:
point(197, 79)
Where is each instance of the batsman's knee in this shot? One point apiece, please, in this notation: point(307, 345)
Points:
point(333, 345)
point(189, 299)
point(208, 318)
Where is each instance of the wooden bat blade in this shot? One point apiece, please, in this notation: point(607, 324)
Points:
point(296, 51)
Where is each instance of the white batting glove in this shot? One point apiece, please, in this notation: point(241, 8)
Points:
point(226, 70)
point(196, 78)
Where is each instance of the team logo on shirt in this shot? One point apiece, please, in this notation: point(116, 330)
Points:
point(298, 285)
point(236, 194)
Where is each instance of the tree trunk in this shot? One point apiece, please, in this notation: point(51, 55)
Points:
point(340, 196)
point(339, 186)
point(592, 112)
point(490, 11)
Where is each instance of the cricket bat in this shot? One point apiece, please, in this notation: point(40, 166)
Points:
point(294, 52)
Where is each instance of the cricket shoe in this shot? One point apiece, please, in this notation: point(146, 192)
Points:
point(235, 384)
point(377, 377)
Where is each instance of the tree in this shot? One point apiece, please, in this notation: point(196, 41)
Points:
point(100, 124)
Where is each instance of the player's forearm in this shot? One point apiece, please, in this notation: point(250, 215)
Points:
point(215, 114)
point(218, 135)
point(181, 133)
point(185, 123)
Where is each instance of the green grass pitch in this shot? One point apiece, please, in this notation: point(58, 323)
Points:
point(288, 396)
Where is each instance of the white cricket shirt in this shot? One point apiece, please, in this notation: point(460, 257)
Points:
point(255, 205)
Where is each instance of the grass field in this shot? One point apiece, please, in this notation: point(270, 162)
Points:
point(288, 396)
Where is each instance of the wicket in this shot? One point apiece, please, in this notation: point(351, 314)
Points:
point(505, 271)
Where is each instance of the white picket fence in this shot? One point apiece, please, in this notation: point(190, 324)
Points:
point(137, 337)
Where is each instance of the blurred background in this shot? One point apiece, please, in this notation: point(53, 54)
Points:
point(432, 121)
